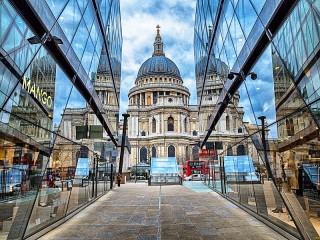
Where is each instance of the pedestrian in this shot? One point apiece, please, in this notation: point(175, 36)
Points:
point(119, 179)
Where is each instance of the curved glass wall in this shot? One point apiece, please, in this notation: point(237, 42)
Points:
point(269, 167)
point(58, 109)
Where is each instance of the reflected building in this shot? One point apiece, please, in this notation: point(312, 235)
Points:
point(58, 74)
point(278, 41)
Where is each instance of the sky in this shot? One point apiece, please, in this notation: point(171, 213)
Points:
point(139, 20)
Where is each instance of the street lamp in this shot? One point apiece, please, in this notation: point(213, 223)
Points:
point(47, 37)
point(231, 75)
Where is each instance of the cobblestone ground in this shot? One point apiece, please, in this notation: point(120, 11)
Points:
point(138, 211)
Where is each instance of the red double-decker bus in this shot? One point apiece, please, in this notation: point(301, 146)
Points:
point(195, 167)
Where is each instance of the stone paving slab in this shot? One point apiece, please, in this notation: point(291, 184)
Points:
point(138, 211)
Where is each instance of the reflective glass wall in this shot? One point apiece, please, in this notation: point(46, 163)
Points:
point(268, 106)
point(58, 109)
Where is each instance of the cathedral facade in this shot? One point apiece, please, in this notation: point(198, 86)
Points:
point(162, 122)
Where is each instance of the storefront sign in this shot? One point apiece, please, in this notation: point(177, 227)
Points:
point(37, 92)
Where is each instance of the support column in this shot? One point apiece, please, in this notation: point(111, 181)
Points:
point(158, 123)
point(183, 125)
point(178, 122)
point(162, 122)
point(137, 125)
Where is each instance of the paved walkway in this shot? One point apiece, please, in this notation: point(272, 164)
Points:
point(138, 211)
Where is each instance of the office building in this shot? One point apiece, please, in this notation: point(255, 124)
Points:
point(271, 51)
point(60, 71)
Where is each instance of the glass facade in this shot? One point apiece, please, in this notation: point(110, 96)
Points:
point(60, 71)
point(268, 53)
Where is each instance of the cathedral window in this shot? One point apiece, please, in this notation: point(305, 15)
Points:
point(185, 125)
point(239, 130)
point(143, 133)
point(170, 100)
point(227, 123)
point(171, 151)
point(290, 127)
point(229, 150)
point(143, 154)
point(154, 125)
point(194, 133)
point(154, 151)
point(170, 124)
point(241, 150)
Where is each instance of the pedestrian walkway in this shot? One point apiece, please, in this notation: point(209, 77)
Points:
point(139, 211)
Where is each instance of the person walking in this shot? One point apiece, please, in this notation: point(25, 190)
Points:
point(119, 179)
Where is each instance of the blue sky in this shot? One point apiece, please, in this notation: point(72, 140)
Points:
point(139, 20)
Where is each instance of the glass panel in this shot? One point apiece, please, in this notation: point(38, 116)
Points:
point(70, 18)
point(56, 6)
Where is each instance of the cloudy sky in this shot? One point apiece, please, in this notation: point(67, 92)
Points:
point(139, 20)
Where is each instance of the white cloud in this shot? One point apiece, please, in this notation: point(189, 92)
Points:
point(139, 21)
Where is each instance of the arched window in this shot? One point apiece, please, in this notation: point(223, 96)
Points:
point(154, 151)
point(187, 153)
point(185, 125)
point(170, 124)
point(227, 123)
point(143, 133)
point(229, 150)
point(154, 125)
point(290, 127)
point(148, 100)
point(241, 150)
point(194, 133)
point(239, 130)
point(195, 153)
point(143, 154)
point(171, 151)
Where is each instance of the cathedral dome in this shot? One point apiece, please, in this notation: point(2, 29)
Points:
point(216, 66)
point(158, 65)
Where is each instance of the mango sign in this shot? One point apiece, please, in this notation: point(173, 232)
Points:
point(37, 92)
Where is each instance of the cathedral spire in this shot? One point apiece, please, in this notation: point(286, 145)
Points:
point(158, 44)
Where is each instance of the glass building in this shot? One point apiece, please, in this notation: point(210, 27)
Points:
point(60, 71)
point(271, 52)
